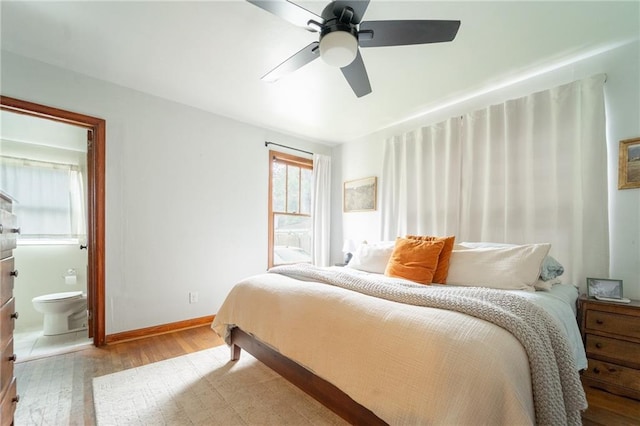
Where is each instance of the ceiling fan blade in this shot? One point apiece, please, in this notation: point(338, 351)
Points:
point(300, 59)
point(291, 12)
point(358, 7)
point(356, 75)
point(399, 33)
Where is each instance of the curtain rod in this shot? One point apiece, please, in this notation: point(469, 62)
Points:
point(267, 143)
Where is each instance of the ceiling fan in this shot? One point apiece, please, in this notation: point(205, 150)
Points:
point(342, 32)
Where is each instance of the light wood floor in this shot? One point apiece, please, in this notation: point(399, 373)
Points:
point(604, 409)
point(83, 366)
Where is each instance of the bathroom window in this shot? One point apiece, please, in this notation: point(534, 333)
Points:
point(290, 225)
point(50, 200)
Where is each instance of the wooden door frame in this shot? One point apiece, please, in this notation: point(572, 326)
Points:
point(96, 200)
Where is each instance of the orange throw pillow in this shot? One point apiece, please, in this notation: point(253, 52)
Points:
point(414, 260)
point(442, 270)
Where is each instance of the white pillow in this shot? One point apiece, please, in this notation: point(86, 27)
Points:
point(542, 285)
point(467, 244)
point(372, 257)
point(508, 268)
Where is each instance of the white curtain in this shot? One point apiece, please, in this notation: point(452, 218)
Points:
point(529, 170)
point(50, 200)
point(321, 209)
point(421, 181)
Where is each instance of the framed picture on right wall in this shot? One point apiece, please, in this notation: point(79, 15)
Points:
point(629, 164)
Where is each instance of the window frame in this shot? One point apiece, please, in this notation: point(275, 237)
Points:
point(292, 160)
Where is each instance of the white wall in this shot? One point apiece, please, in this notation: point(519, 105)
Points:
point(351, 161)
point(621, 63)
point(186, 194)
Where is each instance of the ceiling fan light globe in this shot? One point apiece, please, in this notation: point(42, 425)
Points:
point(338, 48)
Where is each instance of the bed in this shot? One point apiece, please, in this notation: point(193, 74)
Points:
point(379, 349)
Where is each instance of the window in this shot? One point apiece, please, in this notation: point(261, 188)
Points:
point(290, 226)
point(50, 200)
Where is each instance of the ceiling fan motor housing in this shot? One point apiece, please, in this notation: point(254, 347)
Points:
point(338, 37)
point(338, 44)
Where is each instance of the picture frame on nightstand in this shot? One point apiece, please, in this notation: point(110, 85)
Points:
point(604, 287)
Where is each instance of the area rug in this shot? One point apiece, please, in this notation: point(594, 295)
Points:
point(205, 388)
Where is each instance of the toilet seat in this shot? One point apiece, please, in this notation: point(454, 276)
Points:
point(55, 297)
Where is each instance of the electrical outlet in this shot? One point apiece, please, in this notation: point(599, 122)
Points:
point(193, 297)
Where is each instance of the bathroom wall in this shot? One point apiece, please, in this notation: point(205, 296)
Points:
point(41, 271)
point(41, 267)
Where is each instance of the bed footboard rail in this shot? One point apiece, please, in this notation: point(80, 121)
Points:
point(321, 390)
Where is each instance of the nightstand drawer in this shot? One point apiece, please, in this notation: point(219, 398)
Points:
point(624, 325)
point(628, 378)
point(624, 352)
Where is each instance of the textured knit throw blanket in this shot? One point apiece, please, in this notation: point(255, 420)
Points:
point(557, 391)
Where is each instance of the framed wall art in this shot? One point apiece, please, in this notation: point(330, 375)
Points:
point(360, 195)
point(629, 164)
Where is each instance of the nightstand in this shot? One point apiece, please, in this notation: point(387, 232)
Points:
point(611, 335)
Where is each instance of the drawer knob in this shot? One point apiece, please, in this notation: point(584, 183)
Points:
point(596, 370)
point(14, 315)
point(16, 399)
point(599, 321)
point(599, 345)
point(13, 357)
point(1, 228)
point(15, 230)
point(14, 273)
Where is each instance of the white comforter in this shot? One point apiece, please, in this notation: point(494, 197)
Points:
point(415, 365)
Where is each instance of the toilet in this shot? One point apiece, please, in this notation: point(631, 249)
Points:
point(63, 312)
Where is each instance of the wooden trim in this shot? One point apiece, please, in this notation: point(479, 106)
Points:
point(293, 160)
point(99, 245)
point(36, 110)
point(96, 197)
point(158, 329)
point(324, 392)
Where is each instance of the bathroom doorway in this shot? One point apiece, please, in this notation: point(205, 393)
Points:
point(93, 130)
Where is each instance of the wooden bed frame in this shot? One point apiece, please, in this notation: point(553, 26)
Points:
point(323, 391)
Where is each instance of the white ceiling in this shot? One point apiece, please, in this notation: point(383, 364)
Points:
point(211, 54)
